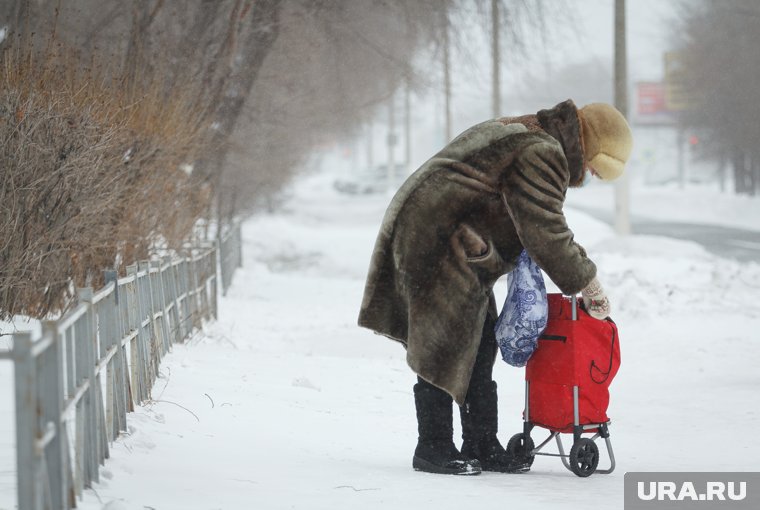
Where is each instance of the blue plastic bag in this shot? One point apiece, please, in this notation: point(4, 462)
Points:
point(524, 314)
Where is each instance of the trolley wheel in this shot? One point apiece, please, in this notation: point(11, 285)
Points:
point(519, 446)
point(584, 457)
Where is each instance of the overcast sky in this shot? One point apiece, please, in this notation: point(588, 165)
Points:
point(540, 79)
point(649, 32)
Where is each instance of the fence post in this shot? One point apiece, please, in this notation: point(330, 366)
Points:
point(214, 288)
point(125, 328)
point(208, 278)
point(219, 267)
point(91, 437)
point(27, 433)
point(51, 398)
point(172, 288)
point(187, 310)
point(119, 393)
point(230, 247)
point(239, 236)
point(161, 295)
point(181, 300)
point(146, 296)
point(138, 350)
point(193, 276)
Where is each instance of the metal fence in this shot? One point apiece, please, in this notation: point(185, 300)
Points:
point(76, 383)
point(231, 254)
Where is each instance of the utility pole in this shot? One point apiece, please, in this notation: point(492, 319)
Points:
point(391, 169)
point(408, 126)
point(681, 163)
point(495, 60)
point(370, 145)
point(622, 192)
point(446, 78)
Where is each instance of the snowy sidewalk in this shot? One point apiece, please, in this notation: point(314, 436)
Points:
point(284, 403)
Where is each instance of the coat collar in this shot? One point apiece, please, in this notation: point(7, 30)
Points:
point(562, 123)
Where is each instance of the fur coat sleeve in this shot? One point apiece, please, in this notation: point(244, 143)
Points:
point(534, 193)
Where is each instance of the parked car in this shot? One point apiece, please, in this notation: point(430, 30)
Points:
point(372, 181)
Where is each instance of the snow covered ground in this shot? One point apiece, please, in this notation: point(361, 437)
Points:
point(697, 203)
point(284, 403)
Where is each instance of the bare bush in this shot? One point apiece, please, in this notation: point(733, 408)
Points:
point(244, 90)
point(90, 177)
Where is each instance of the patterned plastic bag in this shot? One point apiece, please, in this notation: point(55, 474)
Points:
point(525, 313)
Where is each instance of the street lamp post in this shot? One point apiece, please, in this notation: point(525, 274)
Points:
point(622, 192)
point(495, 60)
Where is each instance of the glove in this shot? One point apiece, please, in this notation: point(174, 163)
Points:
point(597, 304)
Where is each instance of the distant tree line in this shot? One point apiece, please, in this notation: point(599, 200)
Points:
point(721, 76)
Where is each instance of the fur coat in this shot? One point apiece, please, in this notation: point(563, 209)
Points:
point(459, 223)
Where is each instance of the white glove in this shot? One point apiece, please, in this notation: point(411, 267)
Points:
point(597, 304)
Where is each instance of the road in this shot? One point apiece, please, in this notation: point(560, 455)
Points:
point(739, 244)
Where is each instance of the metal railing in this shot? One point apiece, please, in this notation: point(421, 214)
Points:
point(76, 383)
point(231, 254)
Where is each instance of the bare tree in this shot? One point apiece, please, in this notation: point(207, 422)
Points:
point(331, 67)
point(512, 26)
point(721, 70)
point(243, 89)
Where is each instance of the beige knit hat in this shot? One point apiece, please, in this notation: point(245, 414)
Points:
point(607, 139)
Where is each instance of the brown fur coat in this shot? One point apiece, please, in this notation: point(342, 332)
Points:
point(459, 223)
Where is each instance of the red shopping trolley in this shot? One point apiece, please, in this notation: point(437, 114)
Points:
point(566, 387)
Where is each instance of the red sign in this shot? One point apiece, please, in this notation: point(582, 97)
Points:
point(651, 98)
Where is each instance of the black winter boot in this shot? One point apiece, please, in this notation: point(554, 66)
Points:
point(479, 426)
point(435, 452)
